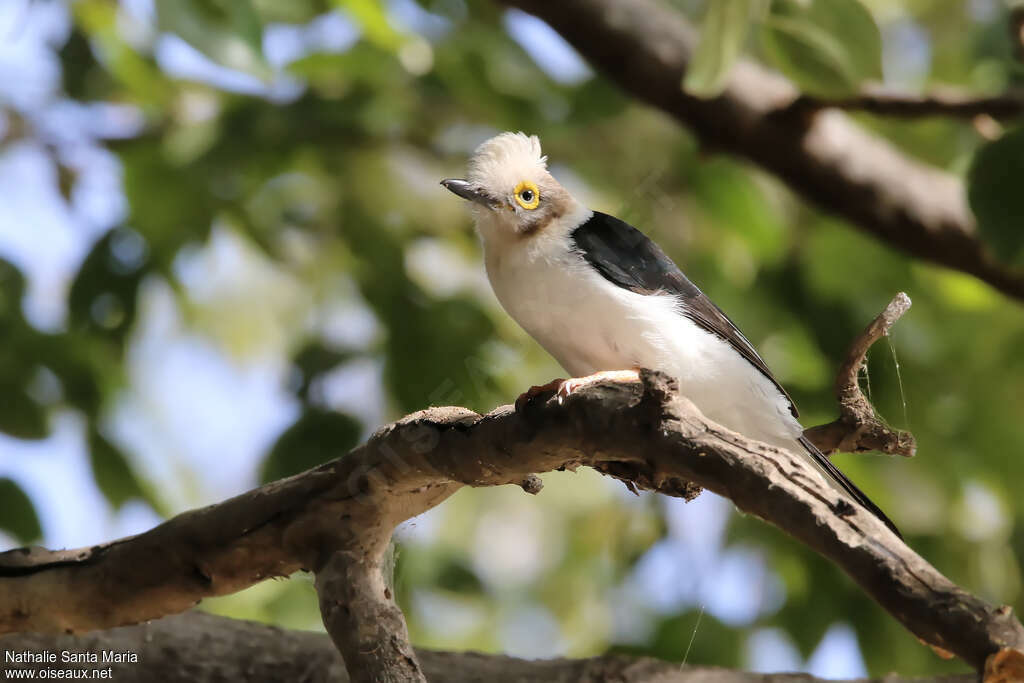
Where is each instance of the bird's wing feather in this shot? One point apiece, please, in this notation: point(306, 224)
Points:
point(844, 482)
point(628, 258)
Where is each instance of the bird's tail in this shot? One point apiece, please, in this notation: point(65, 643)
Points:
point(822, 460)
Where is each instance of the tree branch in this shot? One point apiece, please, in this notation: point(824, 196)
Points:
point(196, 647)
point(858, 428)
point(947, 103)
point(413, 464)
point(822, 155)
point(364, 622)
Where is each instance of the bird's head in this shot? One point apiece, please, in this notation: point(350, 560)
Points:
point(509, 183)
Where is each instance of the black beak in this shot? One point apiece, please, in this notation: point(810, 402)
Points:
point(468, 190)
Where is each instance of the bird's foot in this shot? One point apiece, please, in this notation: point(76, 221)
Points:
point(536, 390)
point(562, 388)
point(573, 383)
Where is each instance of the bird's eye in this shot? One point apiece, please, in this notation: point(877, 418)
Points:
point(527, 195)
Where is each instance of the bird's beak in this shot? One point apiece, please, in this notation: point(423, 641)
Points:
point(470, 191)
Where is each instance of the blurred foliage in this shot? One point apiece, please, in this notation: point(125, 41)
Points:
point(17, 516)
point(318, 436)
point(828, 47)
point(722, 32)
point(996, 197)
point(318, 171)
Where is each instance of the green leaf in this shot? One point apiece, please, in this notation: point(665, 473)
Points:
point(20, 415)
point(227, 31)
point(723, 30)
point(318, 436)
point(17, 514)
point(169, 205)
point(314, 360)
point(458, 577)
point(828, 47)
point(104, 293)
point(139, 75)
point(113, 474)
point(373, 19)
point(12, 289)
point(291, 12)
point(994, 193)
point(699, 637)
point(729, 195)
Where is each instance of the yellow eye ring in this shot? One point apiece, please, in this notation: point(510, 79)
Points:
point(527, 195)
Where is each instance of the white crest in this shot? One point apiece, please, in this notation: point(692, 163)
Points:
point(506, 159)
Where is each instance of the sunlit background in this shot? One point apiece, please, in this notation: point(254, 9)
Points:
point(227, 258)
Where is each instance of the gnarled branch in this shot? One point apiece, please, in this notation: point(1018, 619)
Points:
point(364, 622)
point(858, 429)
point(415, 463)
point(337, 520)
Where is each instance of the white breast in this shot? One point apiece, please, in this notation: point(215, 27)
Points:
point(589, 324)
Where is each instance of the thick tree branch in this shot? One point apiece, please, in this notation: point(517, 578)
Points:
point(858, 429)
point(196, 647)
point(645, 48)
point(338, 519)
point(366, 625)
point(412, 465)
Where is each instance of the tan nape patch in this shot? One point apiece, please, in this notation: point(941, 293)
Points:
point(535, 227)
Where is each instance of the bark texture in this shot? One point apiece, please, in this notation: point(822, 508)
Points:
point(858, 428)
point(337, 519)
point(643, 431)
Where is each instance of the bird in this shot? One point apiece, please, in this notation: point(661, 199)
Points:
point(604, 300)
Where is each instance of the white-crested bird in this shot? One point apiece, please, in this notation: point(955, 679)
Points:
point(605, 300)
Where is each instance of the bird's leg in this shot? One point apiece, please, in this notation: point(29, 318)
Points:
point(563, 387)
point(573, 383)
point(536, 390)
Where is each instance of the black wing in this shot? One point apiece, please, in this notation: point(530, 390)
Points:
point(847, 485)
point(628, 258)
